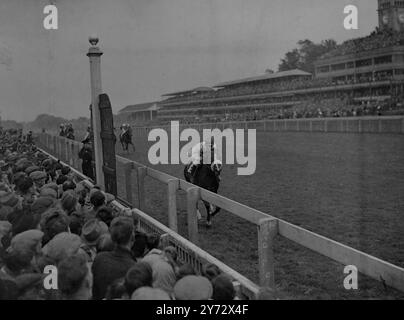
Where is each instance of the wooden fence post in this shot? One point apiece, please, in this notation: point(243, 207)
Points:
point(128, 181)
point(172, 188)
point(192, 202)
point(267, 229)
point(67, 151)
point(60, 149)
point(76, 153)
point(54, 146)
point(141, 175)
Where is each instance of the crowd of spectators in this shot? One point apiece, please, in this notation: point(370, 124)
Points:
point(260, 87)
point(49, 219)
point(380, 38)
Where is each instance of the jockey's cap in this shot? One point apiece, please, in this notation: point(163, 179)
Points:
point(217, 163)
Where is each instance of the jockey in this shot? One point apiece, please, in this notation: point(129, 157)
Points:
point(126, 128)
point(198, 153)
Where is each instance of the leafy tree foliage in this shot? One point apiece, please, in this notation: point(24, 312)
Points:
point(306, 54)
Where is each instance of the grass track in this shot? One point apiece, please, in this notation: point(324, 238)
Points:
point(347, 187)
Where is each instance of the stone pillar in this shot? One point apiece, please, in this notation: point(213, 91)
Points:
point(94, 54)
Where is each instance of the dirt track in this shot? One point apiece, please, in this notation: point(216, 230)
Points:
point(344, 186)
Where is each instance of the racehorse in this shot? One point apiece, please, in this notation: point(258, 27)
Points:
point(126, 139)
point(206, 177)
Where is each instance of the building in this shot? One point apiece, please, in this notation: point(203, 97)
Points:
point(138, 113)
point(391, 14)
point(357, 75)
point(375, 57)
point(236, 96)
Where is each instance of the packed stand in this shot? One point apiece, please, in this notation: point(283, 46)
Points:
point(376, 40)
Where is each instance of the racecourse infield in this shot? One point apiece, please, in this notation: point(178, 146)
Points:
point(348, 187)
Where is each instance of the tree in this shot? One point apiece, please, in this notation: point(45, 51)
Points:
point(291, 61)
point(306, 54)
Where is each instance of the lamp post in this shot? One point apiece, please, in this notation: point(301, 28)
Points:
point(94, 54)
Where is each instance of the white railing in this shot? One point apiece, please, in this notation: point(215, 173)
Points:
point(365, 124)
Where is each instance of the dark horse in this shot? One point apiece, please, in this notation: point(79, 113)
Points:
point(126, 139)
point(206, 177)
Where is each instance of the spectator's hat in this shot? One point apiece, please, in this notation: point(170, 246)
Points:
point(193, 288)
point(92, 231)
point(54, 221)
point(69, 199)
point(51, 185)
point(42, 204)
point(26, 243)
point(38, 175)
point(22, 162)
point(63, 245)
point(31, 169)
point(147, 293)
point(48, 192)
point(8, 199)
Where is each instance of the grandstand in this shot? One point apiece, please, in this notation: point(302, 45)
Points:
point(363, 76)
point(139, 112)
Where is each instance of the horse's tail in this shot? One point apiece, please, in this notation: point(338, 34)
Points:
point(186, 173)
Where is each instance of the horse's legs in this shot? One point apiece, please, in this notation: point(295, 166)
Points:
point(208, 214)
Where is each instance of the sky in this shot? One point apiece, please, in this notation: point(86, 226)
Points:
point(151, 47)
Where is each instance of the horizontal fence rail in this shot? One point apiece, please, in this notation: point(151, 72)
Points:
point(366, 124)
point(268, 226)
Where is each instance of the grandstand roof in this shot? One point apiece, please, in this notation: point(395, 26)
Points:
point(195, 90)
point(282, 74)
point(148, 106)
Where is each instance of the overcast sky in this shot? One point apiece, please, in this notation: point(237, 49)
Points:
point(151, 47)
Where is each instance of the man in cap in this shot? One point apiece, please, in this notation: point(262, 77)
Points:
point(39, 179)
point(75, 278)
point(109, 266)
point(193, 288)
point(90, 234)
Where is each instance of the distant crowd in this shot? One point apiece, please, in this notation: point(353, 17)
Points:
point(376, 40)
point(48, 218)
point(67, 131)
